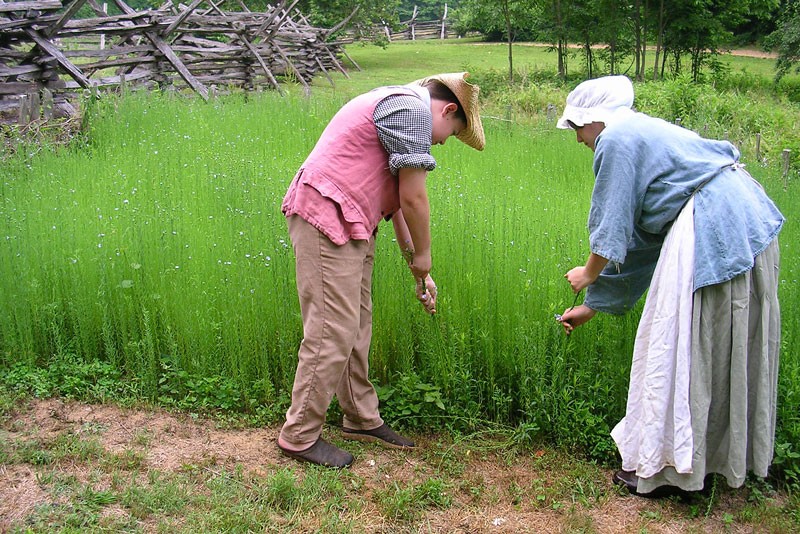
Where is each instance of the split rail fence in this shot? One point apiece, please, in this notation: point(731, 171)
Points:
point(413, 29)
point(48, 57)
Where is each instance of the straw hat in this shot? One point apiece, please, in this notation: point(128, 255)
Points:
point(467, 95)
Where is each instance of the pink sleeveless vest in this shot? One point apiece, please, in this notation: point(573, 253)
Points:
point(344, 188)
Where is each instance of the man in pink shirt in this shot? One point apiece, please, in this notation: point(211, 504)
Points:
point(370, 163)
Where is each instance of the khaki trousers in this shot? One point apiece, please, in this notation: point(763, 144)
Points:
point(334, 284)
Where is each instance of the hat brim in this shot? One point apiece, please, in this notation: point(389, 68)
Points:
point(467, 95)
point(573, 115)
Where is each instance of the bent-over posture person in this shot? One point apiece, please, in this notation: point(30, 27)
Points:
point(370, 163)
point(678, 214)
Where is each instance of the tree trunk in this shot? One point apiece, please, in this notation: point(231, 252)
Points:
point(612, 56)
point(589, 59)
point(562, 43)
point(659, 42)
point(697, 61)
point(641, 38)
point(507, 13)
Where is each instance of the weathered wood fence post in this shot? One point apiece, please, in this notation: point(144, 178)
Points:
point(47, 104)
point(103, 35)
point(758, 147)
point(786, 153)
point(24, 111)
point(443, 34)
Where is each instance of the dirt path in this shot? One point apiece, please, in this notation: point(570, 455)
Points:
point(752, 52)
point(491, 491)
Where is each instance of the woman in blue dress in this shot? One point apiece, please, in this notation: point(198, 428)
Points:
point(677, 215)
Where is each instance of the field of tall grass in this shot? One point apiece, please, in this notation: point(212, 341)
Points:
point(154, 249)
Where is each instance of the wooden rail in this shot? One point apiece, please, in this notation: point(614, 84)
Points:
point(200, 47)
point(413, 29)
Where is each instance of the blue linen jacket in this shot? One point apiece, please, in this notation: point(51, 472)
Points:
point(646, 169)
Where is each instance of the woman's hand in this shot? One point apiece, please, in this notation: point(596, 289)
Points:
point(426, 293)
point(582, 277)
point(579, 278)
point(574, 317)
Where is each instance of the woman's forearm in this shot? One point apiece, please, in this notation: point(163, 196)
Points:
point(595, 265)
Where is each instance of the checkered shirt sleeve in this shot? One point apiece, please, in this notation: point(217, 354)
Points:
point(404, 127)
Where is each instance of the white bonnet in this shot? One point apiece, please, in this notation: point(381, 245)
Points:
point(598, 100)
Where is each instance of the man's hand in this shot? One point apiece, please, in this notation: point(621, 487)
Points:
point(421, 266)
point(426, 293)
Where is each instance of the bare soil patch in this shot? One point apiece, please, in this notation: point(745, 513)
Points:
point(752, 52)
point(509, 500)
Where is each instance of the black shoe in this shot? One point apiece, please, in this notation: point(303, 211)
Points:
point(321, 453)
point(383, 435)
point(629, 480)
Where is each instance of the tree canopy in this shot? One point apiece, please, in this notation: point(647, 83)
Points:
point(621, 35)
point(786, 41)
point(639, 37)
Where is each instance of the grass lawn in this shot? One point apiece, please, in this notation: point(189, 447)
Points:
point(126, 466)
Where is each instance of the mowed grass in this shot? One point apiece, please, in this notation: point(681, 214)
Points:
point(75, 468)
point(403, 61)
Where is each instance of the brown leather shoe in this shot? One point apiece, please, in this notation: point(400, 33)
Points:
point(321, 453)
point(382, 435)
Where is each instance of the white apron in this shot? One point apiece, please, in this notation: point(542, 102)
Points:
point(658, 398)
